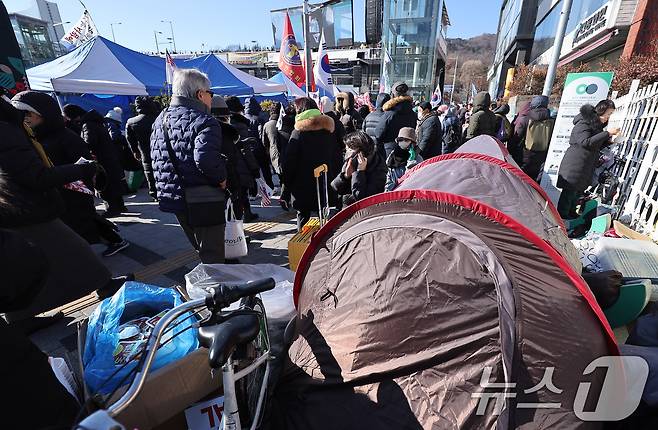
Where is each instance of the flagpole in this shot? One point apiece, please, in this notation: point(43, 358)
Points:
point(454, 79)
point(307, 49)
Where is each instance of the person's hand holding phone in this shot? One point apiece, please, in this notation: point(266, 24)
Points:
point(614, 131)
point(363, 162)
point(349, 168)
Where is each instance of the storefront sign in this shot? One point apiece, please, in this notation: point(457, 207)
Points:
point(590, 26)
point(579, 89)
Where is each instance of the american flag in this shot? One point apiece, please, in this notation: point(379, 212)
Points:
point(265, 192)
point(170, 67)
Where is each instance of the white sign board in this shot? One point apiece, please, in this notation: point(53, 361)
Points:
point(579, 89)
point(205, 415)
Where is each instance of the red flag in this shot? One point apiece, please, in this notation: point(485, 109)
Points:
point(290, 61)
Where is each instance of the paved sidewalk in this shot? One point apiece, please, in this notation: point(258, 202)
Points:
point(160, 254)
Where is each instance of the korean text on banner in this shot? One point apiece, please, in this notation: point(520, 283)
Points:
point(82, 31)
point(579, 89)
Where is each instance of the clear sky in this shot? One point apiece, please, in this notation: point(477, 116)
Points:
point(218, 23)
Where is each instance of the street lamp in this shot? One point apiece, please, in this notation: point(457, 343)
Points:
point(171, 27)
point(307, 10)
point(112, 24)
point(157, 44)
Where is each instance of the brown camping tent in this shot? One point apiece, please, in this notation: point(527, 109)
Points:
point(411, 303)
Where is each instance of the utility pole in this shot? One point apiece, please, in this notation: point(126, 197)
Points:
point(171, 26)
point(157, 47)
point(454, 79)
point(557, 47)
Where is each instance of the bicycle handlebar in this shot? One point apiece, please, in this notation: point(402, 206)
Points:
point(223, 295)
point(219, 297)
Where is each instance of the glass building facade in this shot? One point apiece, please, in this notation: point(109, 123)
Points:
point(413, 45)
point(516, 27)
point(548, 18)
point(33, 39)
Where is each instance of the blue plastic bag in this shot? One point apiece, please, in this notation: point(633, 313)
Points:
point(133, 300)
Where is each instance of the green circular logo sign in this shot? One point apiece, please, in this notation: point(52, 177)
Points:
point(586, 89)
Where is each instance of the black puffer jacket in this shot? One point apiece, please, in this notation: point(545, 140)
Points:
point(237, 173)
point(429, 135)
point(63, 146)
point(276, 141)
point(398, 113)
point(257, 118)
point(312, 144)
point(100, 144)
point(587, 139)
point(482, 121)
point(30, 183)
point(362, 184)
point(139, 128)
point(349, 116)
point(247, 146)
point(371, 122)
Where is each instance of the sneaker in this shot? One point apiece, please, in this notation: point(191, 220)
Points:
point(113, 248)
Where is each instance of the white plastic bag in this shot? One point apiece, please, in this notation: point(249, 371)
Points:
point(278, 302)
point(235, 243)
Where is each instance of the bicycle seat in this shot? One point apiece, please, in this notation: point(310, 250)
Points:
point(221, 339)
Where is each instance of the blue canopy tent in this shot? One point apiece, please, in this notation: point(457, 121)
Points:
point(100, 66)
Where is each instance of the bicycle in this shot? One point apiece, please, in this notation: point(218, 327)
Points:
point(233, 338)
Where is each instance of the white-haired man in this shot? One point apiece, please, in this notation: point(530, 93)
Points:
point(188, 165)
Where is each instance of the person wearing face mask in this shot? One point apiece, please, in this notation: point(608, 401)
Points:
point(428, 131)
point(32, 209)
point(62, 147)
point(587, 138)
point(402, 158)
point(364, 172)
point(188, 164)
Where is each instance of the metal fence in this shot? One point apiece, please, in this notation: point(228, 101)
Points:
point(637, 157)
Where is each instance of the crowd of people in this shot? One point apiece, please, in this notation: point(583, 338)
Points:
point(203, 150)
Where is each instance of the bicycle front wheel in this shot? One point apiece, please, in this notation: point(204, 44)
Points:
point(248, 389)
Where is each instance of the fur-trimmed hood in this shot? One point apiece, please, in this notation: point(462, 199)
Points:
point(344, 102)
point(395, 101)
point(320, 122)
point(588, 115)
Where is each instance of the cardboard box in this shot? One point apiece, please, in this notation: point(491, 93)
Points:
point(167, 391)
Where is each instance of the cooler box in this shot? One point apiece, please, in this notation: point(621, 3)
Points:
point(300, 241)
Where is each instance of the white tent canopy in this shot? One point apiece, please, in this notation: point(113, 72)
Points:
point(91, 68)
point(100, 66)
